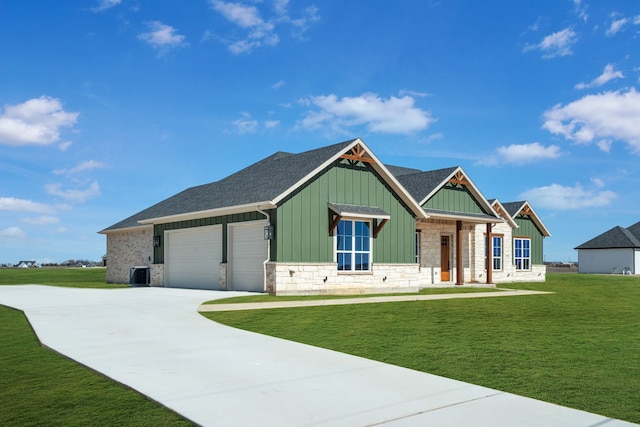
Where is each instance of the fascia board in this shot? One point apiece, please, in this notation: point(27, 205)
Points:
point(127, 229)
point(510, 220)
point(463, 217)
point(210, 212)
point(536, 219)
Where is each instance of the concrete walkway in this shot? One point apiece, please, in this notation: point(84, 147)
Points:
point(362, 300)
point(153, 340)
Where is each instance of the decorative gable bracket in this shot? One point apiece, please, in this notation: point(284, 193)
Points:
point(459, 179)
point(357, 153)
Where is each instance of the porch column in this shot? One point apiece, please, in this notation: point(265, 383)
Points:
point(489, 247)
point(459, 271)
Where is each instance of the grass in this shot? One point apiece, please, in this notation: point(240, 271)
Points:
point(578, 347)
point(273, 298)
point(39, 387)
point(70, 277)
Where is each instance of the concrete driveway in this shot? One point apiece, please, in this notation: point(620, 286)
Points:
point(153, 340)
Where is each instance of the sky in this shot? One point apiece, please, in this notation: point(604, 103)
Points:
point(110, 106)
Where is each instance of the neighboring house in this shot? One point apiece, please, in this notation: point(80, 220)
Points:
point(330, 220)
point(614, 251)
point(27, 264)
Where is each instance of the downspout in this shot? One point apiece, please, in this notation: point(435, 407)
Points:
point(264, 263)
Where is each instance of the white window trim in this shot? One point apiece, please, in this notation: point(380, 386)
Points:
point(515, 259)
point(353, 245)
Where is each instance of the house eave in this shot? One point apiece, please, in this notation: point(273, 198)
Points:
point(228, 210)
point(132, 228)
point(465, 218)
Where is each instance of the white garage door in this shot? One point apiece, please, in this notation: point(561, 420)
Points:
point(247, 253)
point(193, 256)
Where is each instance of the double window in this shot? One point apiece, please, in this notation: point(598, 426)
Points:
point(522, 253)
point(353, 245)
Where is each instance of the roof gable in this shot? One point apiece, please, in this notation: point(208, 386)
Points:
point(264, 183)
point(617, 237)
point(635, 230)
point(514, 209)
point(424, 186)
point(502, 212)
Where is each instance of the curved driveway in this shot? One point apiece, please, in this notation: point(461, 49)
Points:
point(153, 340)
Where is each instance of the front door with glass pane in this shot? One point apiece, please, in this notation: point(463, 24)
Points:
point(445, 275)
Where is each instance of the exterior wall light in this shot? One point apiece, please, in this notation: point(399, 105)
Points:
point(268, 232)
point(156, 241)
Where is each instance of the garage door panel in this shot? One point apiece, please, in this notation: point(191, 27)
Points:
point(193, 256)
point(247, 255)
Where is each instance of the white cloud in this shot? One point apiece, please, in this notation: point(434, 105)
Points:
point(600, 118)
point(270, 124)
point(257, 31)
point(41, 220)
point(393, 115)
point(84, 166)
point(559, 197)
point(12, 233)
point(76, 196)
point(162, 37)
point(246, 124)
point(105, 4)
point(581, 10)
point(616, 26)
point(21, 205)
point(607, 75)
point(597, 182)
point(277, 85)
point(64, 146)
point(36, 121)
point(527, 153)
point(556, 44)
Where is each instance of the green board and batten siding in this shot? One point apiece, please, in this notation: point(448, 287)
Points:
point(454, 199)
point(159, 229)
point(528, 228)
point(302, 221)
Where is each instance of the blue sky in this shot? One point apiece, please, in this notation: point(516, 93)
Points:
point(109, 106)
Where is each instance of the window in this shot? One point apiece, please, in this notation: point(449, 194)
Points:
point(417, 246)
point(353, 245)
point(522, 253)
point(497, 252)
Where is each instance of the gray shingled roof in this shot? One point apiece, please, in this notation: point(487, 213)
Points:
point(513, 208)
point(617, 237)
point(401, 170)
point(256, 183)
point(421, 184)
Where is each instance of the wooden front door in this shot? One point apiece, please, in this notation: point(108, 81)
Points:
point(444, 259)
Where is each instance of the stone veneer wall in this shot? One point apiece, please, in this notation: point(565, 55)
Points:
point(126, 249)
point(508, 274)
point(323, 278)
point(157, 275)
point(430, 234)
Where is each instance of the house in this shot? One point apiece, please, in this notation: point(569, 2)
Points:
point(614, 251)
point(330, 220)
point(27, 264)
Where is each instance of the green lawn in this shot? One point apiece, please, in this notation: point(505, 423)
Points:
point(273, 298)
point(578, 347)
point(41, 388)
point(70, 277)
